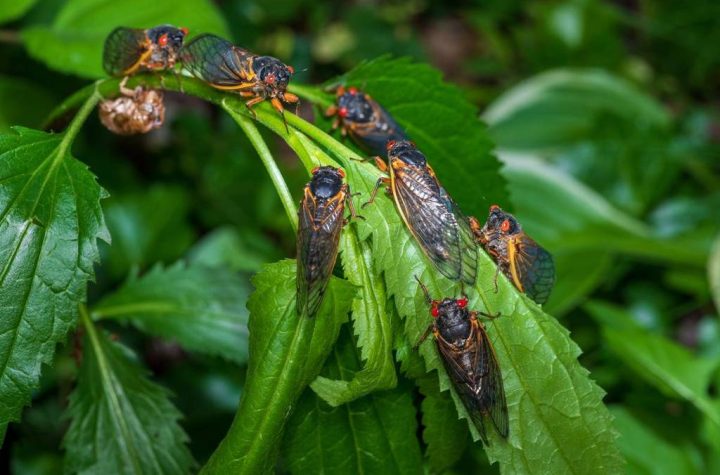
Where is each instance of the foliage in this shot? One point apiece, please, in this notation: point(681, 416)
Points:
point(598, 138)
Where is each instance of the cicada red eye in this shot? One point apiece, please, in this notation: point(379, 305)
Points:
point(505, 226)
point(184, 30)
point(343, 112)
point(353, 90)
point(341, 172)
point(434, 311)
point(390, 144)
point(314, 170)
point(270, 79)
point(462, 303)
point(163, 40)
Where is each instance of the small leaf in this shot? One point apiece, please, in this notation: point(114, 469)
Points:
point(372, 325)
point(286, 354)
point(244, 251)
point(445, 126)
point(121, 421)
point(666, 365)
point(560, 107)
point(74, 42)
point(13, 9)
point(202, 308)
point(374, 434)
point(50, 220)
point(647, 452)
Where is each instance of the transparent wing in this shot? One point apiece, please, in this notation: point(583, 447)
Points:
point(491, 396)
point(532, 266)
point(125, 50)
point(319, 227)
point(437, 223)
point(214, 60)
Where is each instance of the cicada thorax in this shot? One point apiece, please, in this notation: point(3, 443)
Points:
point(528, 265)
point(432, 217)
point(365, 120)
point(131, 50)
point(320, 222)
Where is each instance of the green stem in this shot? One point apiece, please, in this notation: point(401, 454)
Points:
point(266, 157)
point(312, 94)
point(74, 128)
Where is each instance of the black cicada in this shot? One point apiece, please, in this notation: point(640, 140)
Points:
point(130, 50)
point(433, 218)
point(320, 220)
point(521, 259)
point(470, 361)
point(360, 116)
point(230, 68)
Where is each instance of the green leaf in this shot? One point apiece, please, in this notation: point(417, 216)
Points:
point(443, 124)
point(24, 103)
point(578, 274)
point(74, 42)
point(647, 452)
point(121, 421)
point(146, 227)
point(714, 272)
point(227, 247)
point(560, 107)
point(554, 420)
point(373, 434)
point(667, 366)
point(286, 354)
point(50, 220)
point(372, 325)
point(202, 308)
point(13, 9)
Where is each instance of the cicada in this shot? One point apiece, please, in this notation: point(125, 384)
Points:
point(433, 218)
point(519, 257)
point(320, 221)
point(230, 68)
point(136, 111)
point(360, 116)
point(470, 361)
point(130, 50)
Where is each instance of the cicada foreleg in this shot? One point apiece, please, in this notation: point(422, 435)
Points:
point(381, 181)
point(351, 207)
point(424, 336)
point(474, 314)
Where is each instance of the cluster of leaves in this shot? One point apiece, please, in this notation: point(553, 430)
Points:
point(599, 172)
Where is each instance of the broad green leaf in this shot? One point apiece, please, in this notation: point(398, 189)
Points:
point(445, 126)
point(13, 9)
point(667, 366)
point(121, 421)
point(286, 353)
point(74, 42)
point(714, 272)
point(646, 452)
point(578, 274)
point(560, 107)
point(146, 227)
point(373, 434)
point(50, 221)
point(23, 103)
point(558, 423)
point(237, 250)
point(202, 308)
point(372, 325)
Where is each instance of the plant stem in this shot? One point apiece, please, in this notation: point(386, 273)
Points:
point(77, 123)
point(312, 94)
point(266, 157)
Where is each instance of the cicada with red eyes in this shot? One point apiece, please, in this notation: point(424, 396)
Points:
point(470, 361)
point(431, 215)
point(320, 221)
point(228, 67)
point(360, 116)
point(518, 256)
point(131, 50)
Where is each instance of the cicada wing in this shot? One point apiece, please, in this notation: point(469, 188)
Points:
point(532, 267)
point(491, 397)
point(319, 227)
point(125, 50)
point(436, 223)
point(213, 59)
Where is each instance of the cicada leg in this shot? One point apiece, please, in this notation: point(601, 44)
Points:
point(424, 336)
point(249, 104)
point(351, 207)
point(277, 105)
point(381, 181)
point(489, 316)
point(475, 227)
point(124, 90)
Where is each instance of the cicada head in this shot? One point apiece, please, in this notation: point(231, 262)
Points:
point(273, 73)
point(167, 38)
point(452, 318)
point(326, 182)
point(501, 223)
point(407, 152)
point(354, 106)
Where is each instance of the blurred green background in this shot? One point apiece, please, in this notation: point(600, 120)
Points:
point(604, 114)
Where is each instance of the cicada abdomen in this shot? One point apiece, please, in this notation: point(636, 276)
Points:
point(131, 50)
